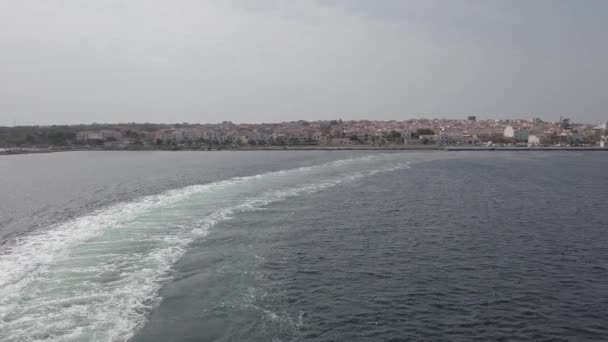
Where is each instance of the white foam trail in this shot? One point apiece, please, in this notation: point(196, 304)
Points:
point(97, 277)
point(37, 249)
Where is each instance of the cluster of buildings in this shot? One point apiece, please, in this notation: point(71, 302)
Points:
point(358, 132)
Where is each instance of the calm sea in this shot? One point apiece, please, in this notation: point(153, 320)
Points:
point(304, 246)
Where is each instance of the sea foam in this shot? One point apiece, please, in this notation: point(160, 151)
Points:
point(97, 277)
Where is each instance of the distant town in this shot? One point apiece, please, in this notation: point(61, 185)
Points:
point(351, 134)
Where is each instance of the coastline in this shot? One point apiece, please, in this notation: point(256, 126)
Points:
point(318, 148)
point(523, 149)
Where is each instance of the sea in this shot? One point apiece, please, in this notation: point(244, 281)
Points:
point(304, 246)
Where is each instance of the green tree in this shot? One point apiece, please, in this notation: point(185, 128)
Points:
point(424, 131)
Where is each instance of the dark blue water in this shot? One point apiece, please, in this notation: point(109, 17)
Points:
point(472, 246)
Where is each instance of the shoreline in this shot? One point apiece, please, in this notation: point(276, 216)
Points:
point(523, 149)
point(319, 148)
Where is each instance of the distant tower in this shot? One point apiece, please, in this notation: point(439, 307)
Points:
point(564, 122)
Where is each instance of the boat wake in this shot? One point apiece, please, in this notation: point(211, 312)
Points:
point(96, 278)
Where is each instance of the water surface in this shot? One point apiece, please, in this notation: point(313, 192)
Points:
point(289, 246)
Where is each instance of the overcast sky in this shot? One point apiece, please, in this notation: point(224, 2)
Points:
point(81, 61)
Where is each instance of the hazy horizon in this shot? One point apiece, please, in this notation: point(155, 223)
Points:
point(253, 61)
point(169, 123)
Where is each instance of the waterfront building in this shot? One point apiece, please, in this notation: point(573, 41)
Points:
point(320, 138)
point(170, 136)
point(599, 133)
point(469, 139)
point(101, 135)
point(516, 133)
point(89, 136)
point(194, 134)
point(450, 138)
point(533, 140)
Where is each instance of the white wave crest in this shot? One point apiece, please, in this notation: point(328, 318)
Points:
point(97, 277)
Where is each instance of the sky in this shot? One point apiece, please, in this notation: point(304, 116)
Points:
point(199, 61)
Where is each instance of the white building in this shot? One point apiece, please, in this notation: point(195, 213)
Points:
point(518, 134)
point(194, 134)
point(601, 133)
point(319, 138)
point(262, 137)
point(102, 135)
point(214, 135)
point(168, 136)
point(533, 140)
point(300, 136)
point(88, 136)
point(244, 136)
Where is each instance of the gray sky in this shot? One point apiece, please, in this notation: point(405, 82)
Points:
point(81, 61)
